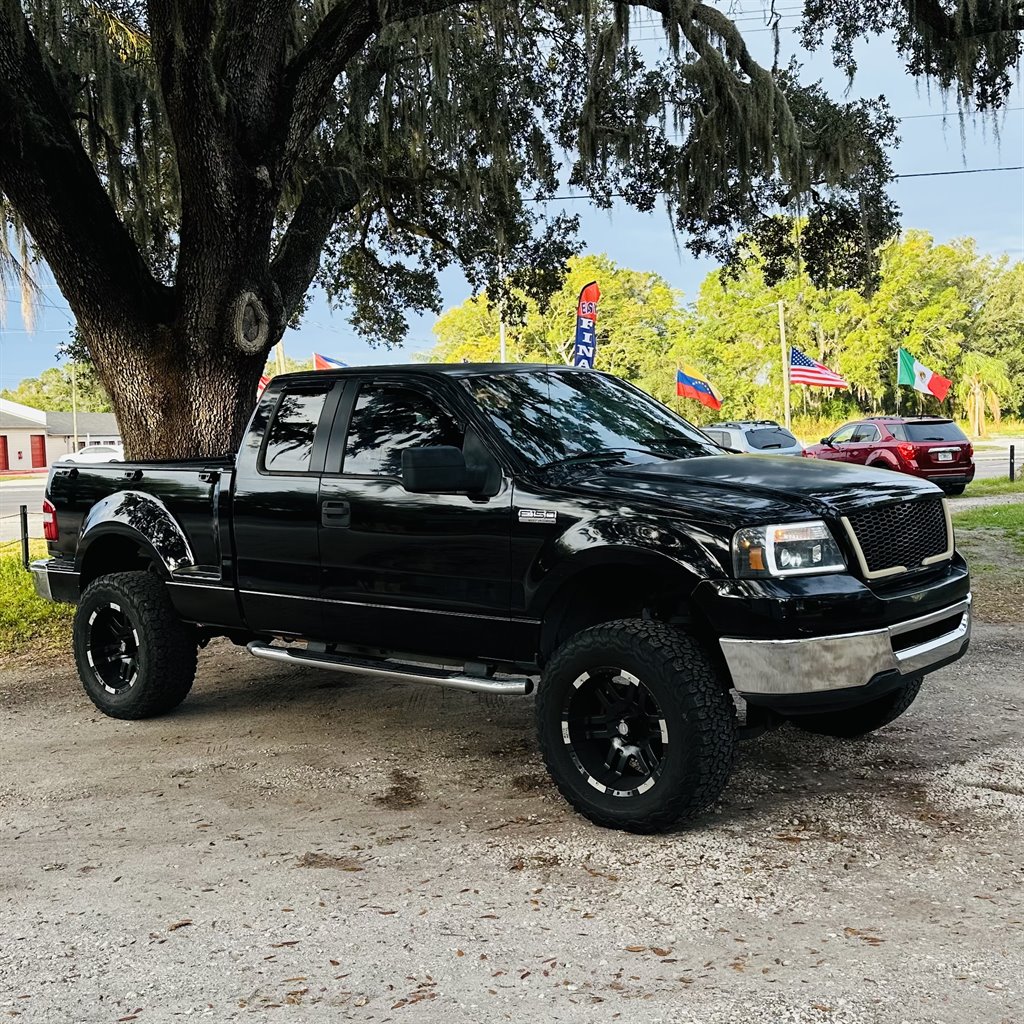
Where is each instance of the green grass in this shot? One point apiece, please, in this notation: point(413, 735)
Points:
point(996, 485)
point(1008, 518)
point(26, 619)
point(21, 476)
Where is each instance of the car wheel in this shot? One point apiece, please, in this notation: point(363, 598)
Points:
point(864, 719)
point(636, 725)
point(958, 489)
point(135, 657)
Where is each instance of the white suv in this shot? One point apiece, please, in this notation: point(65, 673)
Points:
point(755, 437)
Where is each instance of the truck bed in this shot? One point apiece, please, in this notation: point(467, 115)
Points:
point(192, 487)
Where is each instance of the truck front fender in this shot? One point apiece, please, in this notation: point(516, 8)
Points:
point(637, 543)
point(141, 518)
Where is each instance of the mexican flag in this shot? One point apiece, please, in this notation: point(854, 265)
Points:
point(920, 378)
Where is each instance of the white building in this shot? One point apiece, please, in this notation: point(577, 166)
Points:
point(31, 439)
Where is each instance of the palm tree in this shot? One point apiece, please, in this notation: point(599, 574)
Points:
point(981, 382)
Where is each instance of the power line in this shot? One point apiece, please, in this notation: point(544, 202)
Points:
point(963, 170)
point(917, 174)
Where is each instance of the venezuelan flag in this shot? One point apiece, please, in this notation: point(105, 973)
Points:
point(689, 384)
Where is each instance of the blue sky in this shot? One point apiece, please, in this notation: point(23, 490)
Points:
point(989, 207)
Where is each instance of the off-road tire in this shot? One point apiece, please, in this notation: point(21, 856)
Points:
point(693, 701)
point(166, 648)
point(864, 719)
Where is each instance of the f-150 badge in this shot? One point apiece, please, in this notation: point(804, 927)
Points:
point(537, 515)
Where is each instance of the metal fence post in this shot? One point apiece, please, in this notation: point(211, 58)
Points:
point(23, 515)
point(1012, 447)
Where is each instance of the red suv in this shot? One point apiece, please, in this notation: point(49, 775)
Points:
point(926, 446)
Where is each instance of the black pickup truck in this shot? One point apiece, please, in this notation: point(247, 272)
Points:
point(520, 522)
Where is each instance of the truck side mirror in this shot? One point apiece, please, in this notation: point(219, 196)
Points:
point(440, 469)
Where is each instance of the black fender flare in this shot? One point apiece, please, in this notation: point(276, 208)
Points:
point(142, 518)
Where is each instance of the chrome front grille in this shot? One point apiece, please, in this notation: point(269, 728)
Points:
point(892, 539)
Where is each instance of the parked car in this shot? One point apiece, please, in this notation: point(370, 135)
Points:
point(521, 522)
point(95, 453)
point(931, 447)
point(757, 437)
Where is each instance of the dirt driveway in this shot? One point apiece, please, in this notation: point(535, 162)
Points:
point(301, 846)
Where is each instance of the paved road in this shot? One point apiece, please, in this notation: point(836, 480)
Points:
point(14, 493)
point(991, 463)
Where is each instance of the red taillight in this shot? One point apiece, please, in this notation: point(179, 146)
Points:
point(50, 529)
point(908, 451)
point(970, 451)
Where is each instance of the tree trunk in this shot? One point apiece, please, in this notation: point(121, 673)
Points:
point(174, 398)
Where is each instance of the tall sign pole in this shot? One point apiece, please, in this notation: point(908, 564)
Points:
point(785, 363)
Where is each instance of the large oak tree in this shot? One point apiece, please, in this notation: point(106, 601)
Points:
point(188, 168)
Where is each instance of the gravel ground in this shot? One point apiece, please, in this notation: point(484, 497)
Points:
point(304, 846)
point(983, 501)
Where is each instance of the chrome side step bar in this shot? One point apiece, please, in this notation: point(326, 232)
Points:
point(516, 686)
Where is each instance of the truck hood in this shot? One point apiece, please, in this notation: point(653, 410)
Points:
point(758, 487)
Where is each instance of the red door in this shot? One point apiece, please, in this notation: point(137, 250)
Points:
point(38, 451)
point(4, 464)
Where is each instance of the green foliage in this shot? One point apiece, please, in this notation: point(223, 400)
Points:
point(1008, 518)
point(51, 391)
point(934, 300)
point(994, 485)
point(25, 618)
point(421, 135)
point(641, 319)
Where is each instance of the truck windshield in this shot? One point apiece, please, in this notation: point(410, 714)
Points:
point(554, 415)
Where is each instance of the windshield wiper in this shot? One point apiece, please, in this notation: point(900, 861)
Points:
point(581, 457)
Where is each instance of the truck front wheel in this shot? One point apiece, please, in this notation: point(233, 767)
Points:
point(135, 657)
point(636, 727)
point(865, 718)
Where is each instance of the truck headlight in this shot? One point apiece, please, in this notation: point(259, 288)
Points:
point(785, 549)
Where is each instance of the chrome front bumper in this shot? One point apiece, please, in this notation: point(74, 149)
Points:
point(823, 663)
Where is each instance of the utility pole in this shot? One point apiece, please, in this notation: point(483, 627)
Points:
point(279, 354)
point(74, 403)
point(785, 363)
point(501, 317)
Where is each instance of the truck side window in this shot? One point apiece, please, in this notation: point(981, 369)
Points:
point(388, 419)
point(289, 444)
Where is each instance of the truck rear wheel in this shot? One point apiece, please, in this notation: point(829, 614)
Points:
point(865, 718)
point(636, 727)
point(135, 657)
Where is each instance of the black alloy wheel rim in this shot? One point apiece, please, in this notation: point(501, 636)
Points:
point(113, 648)
point(615, 732)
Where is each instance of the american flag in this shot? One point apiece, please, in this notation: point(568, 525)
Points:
point(804, 370)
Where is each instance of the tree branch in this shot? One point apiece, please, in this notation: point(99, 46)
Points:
point(339, 37)
point(47, 175)
point(332, 193)
point(252, 54)
point(982, 19)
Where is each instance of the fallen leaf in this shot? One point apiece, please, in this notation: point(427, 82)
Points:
point(185, 922)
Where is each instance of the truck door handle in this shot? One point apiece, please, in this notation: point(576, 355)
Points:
point(336, 514)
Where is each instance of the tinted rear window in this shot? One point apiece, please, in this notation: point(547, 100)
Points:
point(770, 437)
point(933, 432)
